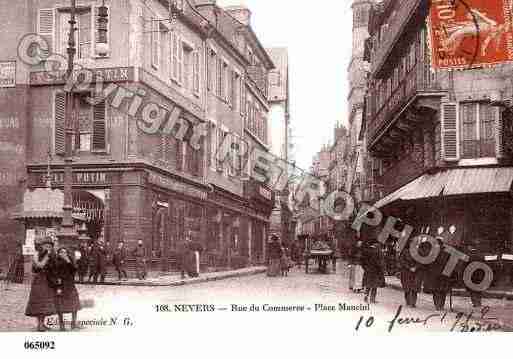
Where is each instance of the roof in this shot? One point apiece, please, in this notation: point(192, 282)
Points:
point(456, 181)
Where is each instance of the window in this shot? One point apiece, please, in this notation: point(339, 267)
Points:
point(223, 80)
point(212, 71)
point(477, 130)
point(175, 50)
point(196, 73)
point(213, 139)
point(242, 96)
point(91, 136)
point(236, 83)
point(275, 78)
point(83, 34)
point(155, 43)
point(187, 67)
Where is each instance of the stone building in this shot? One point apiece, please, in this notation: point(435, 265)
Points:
point(135, 179)
point(438, 137)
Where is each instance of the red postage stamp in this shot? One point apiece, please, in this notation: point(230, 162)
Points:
point(470, 33)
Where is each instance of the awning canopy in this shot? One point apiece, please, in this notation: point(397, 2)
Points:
point(456, 181)
point(43, 203)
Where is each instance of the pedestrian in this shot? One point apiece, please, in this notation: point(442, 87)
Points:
point(355, 267)
point(140, 260)
point(182, 250)
point(82, 261)
point(62, 279)
point(102, 260)
point(435, 282)
point(41, 303)
point(373, 276)
point(476, 297)
point(410, 274)
point(92, 260)
point(193, 262)
point(285, 261)
point(119, 260)
point(274, 254)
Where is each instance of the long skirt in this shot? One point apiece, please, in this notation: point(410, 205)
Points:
point(355, 277)
point(68, 301)
point(41, 299)
point(274, 268)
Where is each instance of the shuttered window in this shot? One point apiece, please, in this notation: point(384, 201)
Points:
point(46, 29)
point(450, 136)
point(59, 125)
point(99, 128)
point(242, 96)
point(155, 43)
point(174, 55)
point(196, 72)
point(479, 124)
point(179, 155)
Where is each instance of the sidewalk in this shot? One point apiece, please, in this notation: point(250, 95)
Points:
point(174, 279)
point(395, 283)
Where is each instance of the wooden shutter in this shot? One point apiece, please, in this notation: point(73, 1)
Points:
point(499, 133)
point(97, 27)
point(59, 123)
point(450, 132)
point(181, 66)
point(155, 43)
point(46, 28)
point(242, 96)
point(99, 127)
point(196, 72)
point(179, 155)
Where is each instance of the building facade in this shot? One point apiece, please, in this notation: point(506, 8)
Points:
point(437, 138)
point(133, 178)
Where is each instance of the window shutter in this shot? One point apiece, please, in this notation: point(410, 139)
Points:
point(155, 40)
point(179, 155)
point(450, 132)
point(97, 27)
point(499, 133)
point(196, 75)
point(59, 125)
point(99, 127)
point(181, 67)
point(242, 96)
point(174, 56)
point(46, 28)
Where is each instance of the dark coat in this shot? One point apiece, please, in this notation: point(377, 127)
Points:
point(410, 272)
point(62, 278)
point(434, 279)
point(119, 257)
point(83, 262)
point(274, 250)
point(372, 263)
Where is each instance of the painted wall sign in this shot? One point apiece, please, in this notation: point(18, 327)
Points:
point(175, 186)
point(7, 74)
point(116, 74)
point(470, 33)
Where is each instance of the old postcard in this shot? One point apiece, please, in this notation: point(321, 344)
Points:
point(242, 169)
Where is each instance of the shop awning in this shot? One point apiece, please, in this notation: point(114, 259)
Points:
point(42, 203)
point(456, 181)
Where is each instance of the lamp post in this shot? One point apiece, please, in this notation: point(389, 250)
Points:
point(68, 234)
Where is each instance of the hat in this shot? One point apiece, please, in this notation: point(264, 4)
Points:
point(44, 240)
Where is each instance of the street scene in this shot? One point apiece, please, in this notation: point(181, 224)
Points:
point(199, 160)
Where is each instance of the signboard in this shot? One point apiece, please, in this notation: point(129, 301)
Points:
point(79, 178)
point(7, 74)
point(470, 33)
point(115, 74)
point(30, 237)
point(176, 186)
point(28, 250)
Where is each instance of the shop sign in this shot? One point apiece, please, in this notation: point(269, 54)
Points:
point(79, 178)
point(470, 33)
point(115, 74)
point(7, 74)
point(175, 186)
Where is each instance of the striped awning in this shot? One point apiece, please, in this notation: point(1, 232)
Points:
point(456, 181)
point(43, 203)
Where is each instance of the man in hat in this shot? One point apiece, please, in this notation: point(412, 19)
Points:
point(140, 260)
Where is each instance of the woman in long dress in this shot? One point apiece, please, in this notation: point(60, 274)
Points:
point(355, 268)
point(41, 303)
point(275, 254)
point(62, 278)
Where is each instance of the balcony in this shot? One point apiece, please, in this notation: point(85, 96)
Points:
point(419, 82)
point(395, 30)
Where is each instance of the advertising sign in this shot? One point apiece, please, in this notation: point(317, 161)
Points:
point(470, 33)
point(7, 74)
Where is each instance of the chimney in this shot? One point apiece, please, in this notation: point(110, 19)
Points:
point(241, 13)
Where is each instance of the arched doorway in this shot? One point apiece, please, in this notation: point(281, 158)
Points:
point(91, 204)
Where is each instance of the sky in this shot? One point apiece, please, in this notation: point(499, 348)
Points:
point(319, 42)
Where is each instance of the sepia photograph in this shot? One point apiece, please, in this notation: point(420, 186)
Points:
point(254, 169)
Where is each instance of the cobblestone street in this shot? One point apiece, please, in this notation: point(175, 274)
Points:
point(319, 294)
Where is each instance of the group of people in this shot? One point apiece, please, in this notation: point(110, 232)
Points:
point(279, 260)
point(366, 262)
point(53, 290)
point(94, 259)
